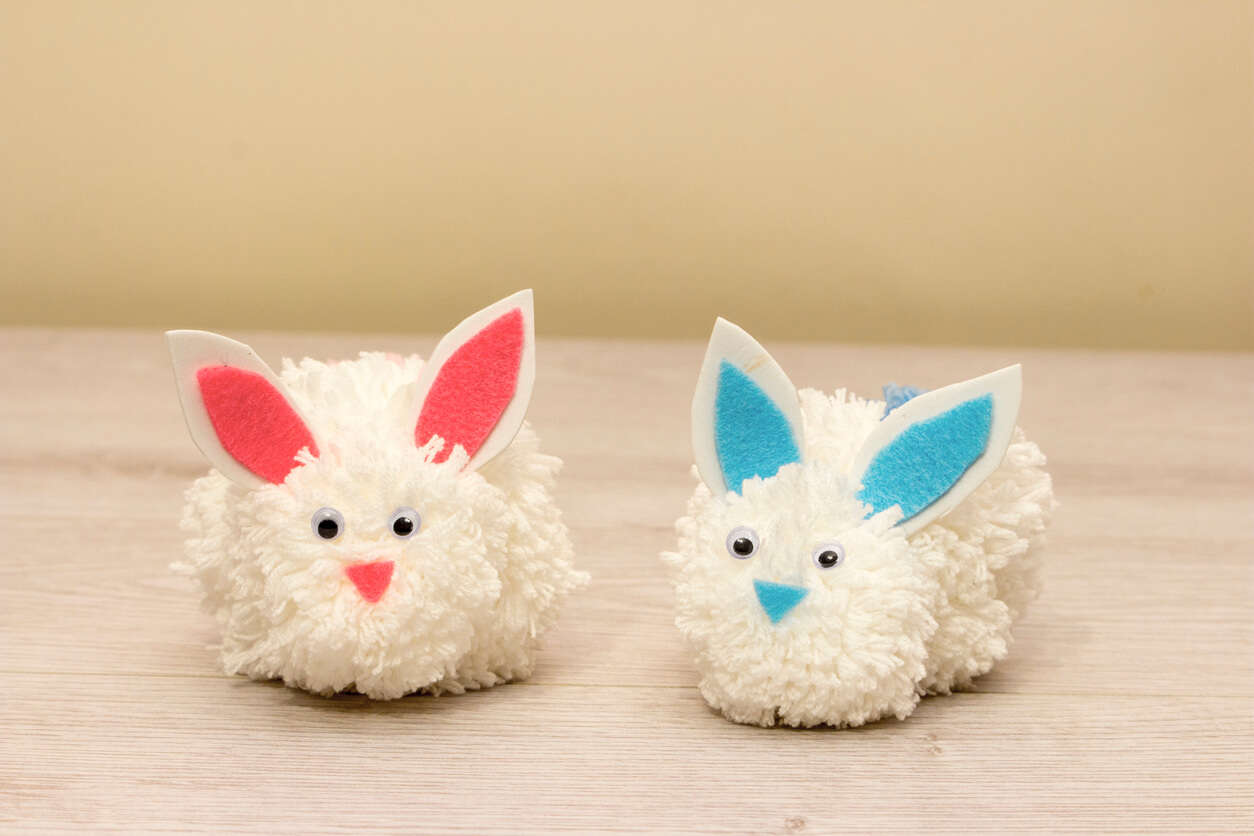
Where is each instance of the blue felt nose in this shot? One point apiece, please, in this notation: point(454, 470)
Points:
point(778, 599)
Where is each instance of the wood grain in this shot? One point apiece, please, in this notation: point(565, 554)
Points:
point(1127, 704)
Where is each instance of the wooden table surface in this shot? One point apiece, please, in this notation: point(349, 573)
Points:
point(1127, 703)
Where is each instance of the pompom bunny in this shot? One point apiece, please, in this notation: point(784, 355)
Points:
point(837, 562)
point(368, 525)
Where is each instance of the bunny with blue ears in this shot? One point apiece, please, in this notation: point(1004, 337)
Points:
point(383, 525)
point(836, 562)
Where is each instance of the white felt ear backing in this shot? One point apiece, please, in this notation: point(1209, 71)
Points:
point(511, 417)
point(731, 344)
point(1005, 387)
point(192, 351)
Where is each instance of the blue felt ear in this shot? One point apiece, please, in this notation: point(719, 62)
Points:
point(746, 418)
point(929, 453)
point(922, 463)
point(751, 434)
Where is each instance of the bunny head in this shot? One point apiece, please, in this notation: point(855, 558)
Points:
point(361, 527)
point(795, 578)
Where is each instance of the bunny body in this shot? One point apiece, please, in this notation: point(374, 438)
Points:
point(452, 599)
point(780, 639)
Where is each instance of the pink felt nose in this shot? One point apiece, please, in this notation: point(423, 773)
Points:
point(371, 579)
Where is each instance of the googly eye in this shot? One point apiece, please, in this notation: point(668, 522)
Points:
point(829, 555)
point(405, 523)
point(328, 523)
point(742, 543)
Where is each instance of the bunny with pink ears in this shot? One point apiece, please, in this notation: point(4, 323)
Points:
point(383, 525)
point(842, 557)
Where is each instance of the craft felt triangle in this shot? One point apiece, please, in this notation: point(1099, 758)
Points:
point(778, 599)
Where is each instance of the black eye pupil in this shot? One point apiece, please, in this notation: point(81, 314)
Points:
point(742, 546)
point(829, 558)
point(403, 526)
point(327, 529)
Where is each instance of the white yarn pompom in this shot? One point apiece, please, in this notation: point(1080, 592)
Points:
point(470, 592)
point(839, 560)
point(899, 618)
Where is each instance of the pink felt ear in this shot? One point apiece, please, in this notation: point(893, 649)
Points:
point(253, 421)
point(474, 386)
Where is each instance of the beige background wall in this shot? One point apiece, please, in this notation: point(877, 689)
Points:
point(1073, 173)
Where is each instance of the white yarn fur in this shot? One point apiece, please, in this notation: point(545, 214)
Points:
point(470, 594)
point(899, 618)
